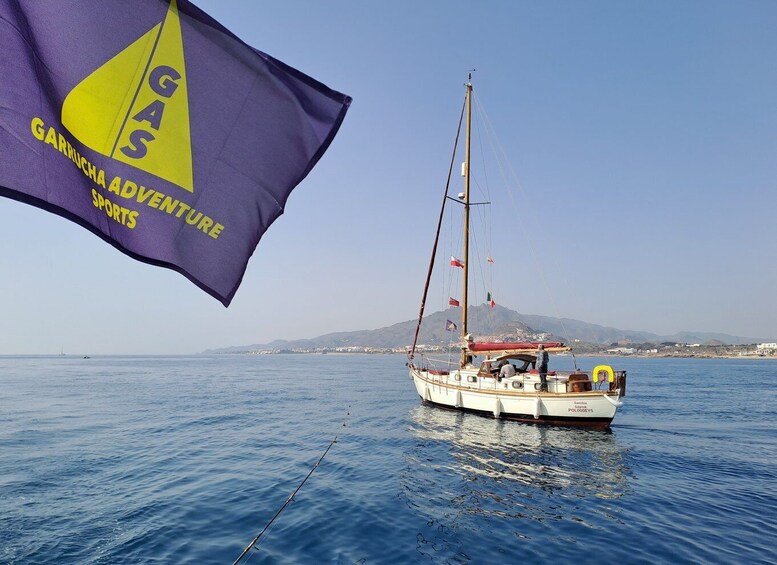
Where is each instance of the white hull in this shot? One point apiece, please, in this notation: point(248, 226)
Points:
point(516, 398)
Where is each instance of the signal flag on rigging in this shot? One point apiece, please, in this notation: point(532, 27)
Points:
point(154, 127)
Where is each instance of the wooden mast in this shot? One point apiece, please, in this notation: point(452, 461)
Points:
point(466, 223)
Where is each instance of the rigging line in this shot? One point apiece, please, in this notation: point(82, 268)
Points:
point(483, 224)
point(484, 213)
point(446, 249)
point(485, 216)
point(454, 249)
point(489, 135)
point(484, 168)
point(488, 214)
point(504, 162)
point(453, 339)
point(437, 236)
point(474, 240)
point(288, 500)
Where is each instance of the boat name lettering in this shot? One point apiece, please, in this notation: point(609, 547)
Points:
point(580, 406)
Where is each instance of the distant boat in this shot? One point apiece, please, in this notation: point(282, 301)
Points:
point(571, 398)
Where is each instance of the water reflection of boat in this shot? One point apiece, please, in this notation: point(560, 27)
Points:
point(547, 458)
point(463, 471)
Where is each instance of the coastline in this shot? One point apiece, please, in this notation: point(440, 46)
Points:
point(396, 351)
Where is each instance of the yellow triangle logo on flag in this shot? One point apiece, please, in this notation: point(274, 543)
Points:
point(135, 107)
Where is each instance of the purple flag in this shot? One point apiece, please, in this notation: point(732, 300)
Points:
point(154, 127)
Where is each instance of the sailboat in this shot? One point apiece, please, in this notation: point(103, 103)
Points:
point(481, 382)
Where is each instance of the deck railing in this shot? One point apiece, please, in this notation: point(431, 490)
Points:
point(558, 381)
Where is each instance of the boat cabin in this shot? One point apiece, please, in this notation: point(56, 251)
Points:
point(521, 363)
point(524, 374)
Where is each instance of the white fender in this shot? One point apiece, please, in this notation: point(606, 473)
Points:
point(427, 394)
point(616, 403)
point(458, 399)
point(537, 404)
point(497, 408)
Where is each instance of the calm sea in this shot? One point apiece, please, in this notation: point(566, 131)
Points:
point(185, 459)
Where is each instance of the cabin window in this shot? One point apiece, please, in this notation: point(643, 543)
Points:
point(457, 377)
point(517, 384)
point(472, 379)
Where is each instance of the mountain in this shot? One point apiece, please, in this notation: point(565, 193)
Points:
point(485, 321)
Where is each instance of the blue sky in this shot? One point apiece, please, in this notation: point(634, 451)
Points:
point(643, 135)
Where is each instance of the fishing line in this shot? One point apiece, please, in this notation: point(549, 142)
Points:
point(291, 497)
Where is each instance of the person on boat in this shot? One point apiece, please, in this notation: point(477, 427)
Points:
point(542, 367)
point(507, 370)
